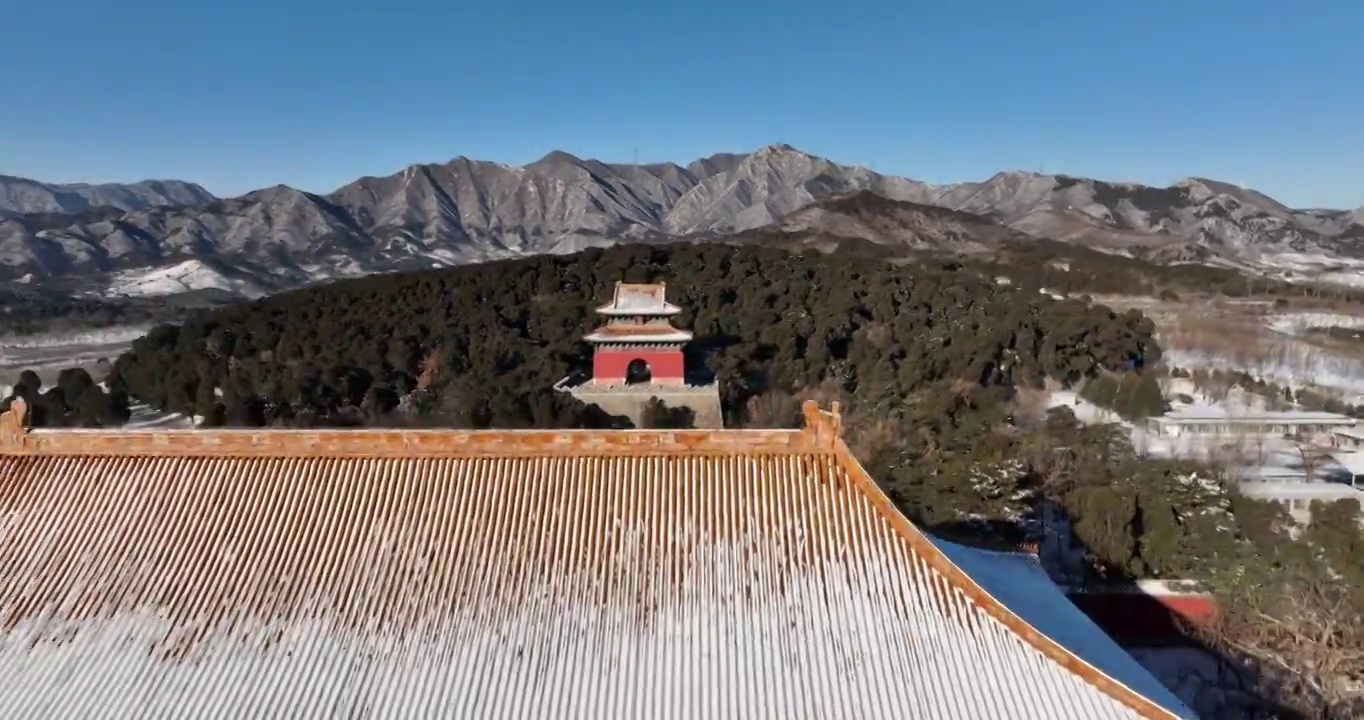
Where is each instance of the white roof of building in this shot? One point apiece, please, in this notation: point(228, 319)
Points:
point(1270, 473)
point(639, 299)
point(1353, 462)
point(596, 574)
point(1315, 490)
point(1353, 431)
point(1213, 414)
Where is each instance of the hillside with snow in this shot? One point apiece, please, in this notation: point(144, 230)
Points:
point(1314, 267)
point(186, 276)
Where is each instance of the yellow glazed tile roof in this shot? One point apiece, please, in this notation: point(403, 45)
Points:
point(390, 574)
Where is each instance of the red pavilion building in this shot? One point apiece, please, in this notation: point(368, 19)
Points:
point(638, 345)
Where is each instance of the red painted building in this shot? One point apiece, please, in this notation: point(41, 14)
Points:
point(1147, 612)
point(638, 345)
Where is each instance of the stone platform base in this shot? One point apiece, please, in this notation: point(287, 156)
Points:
point(629, 400)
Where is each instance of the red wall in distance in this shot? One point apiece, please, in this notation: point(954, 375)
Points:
point(666, 366)
point(1145, 619)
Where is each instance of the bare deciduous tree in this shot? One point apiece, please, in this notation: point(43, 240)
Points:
point(773, 409)
point(430, 369)
point(1301, 630)
point(1309, 457)
point(1031, 405)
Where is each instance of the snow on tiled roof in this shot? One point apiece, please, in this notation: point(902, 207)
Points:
point(1302, 490)
point(639, 299)
point(1353, 432)
point(1353, 462)
point(638, 333)
point(1208, 413)
point(591, 574)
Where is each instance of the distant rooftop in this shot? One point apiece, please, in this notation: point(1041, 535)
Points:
point(1270, 473)
point(1206, 414)
point(1306, 489)
point(639, 299)
point(1353, 432)
point(1353, 462)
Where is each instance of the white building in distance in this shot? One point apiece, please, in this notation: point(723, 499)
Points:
point(1212, 421)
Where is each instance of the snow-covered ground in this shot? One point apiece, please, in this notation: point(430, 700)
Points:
point(181, 277)
point(49, 353)
point(1197, 677)
point(1314, 267)
point(147, 418)
point(106, 336)
point(1285, 354)
point(1299, 367)
point(1207, 684)
point(1298, 324)
point(142, 417)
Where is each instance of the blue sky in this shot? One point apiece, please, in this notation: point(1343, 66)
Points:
point(313, 93)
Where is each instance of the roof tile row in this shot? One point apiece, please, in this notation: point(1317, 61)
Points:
point(659, 578)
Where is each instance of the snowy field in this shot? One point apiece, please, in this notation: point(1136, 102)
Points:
point(147, 418)
point(1201, 679)
point(182, 277)
point(1281, 348)
point(142, 416)
point(48, 354)
point(1314, 268)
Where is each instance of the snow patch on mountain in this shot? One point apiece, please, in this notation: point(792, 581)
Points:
point(468, 211)
point(1312, 267)
point(181, 277)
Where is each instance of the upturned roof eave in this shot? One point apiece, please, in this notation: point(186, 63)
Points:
point(680, 336)
point(666, 309)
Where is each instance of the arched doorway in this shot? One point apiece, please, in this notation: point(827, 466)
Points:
point(638, 372)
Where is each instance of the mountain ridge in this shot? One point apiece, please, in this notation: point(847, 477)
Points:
point(24, 196)
point(468, 210)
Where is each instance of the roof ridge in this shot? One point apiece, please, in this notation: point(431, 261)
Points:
point(959, 580)
point(816, 437)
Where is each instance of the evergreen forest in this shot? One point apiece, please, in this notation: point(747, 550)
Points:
point(942, 371)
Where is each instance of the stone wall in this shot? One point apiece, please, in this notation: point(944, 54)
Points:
point(630, 401)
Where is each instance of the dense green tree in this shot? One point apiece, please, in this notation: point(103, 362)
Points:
point(499, 335)
point(658, 415)
point(1133, 395)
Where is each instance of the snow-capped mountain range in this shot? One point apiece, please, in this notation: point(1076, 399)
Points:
point(157, 238)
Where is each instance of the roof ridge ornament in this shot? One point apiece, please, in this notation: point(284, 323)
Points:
point(827, 427)
point(12, 430)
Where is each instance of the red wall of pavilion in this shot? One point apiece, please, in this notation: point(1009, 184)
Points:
point(666, 367)
point(1137, 618)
